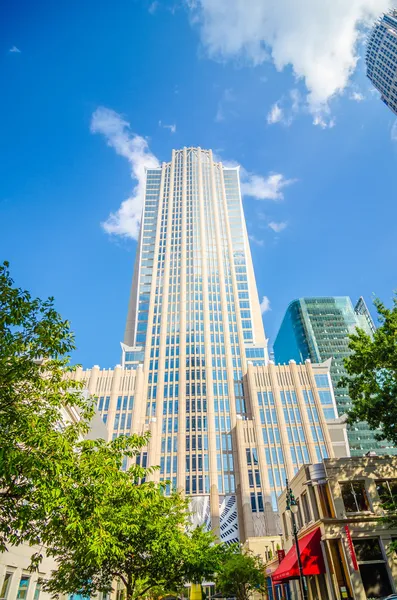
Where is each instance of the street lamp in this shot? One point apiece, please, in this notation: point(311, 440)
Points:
point(292, 506)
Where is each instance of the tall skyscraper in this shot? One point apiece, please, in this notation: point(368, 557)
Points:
point(227, 426)
point(318, 328)
point(381, 58)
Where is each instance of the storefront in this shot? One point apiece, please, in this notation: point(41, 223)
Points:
point(312, 562)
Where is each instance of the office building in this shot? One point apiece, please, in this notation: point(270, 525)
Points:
point(318, 329)
point(381, 58)
point(227, 426)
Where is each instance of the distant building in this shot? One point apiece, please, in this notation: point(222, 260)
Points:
point(318, 329)
point(344, 543)
point(381, 58)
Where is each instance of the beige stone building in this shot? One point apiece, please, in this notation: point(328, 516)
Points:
point(344, 544)
point(227, 426)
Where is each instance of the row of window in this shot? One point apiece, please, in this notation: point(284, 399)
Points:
point(23, 587)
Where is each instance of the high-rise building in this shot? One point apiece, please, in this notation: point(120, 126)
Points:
point(227, 426)
point(381, 58)
point(318, 329)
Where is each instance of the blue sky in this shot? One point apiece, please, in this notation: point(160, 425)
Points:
point(276, 89)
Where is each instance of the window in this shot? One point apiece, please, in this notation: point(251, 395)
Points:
point(23, 587)
point(6, 586)
point(387, 490)
point(306, 508)
point(325, 397)
point(372, 567)
point(322, 381)
point(325, 500)
point(38, 590)
point(354, 496)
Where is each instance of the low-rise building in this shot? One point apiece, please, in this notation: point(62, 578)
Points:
point(344, 541)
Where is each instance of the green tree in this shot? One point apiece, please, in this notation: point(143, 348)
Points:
point(137, 535)
point(70, 494)
point(35, 449)
point(372, 375)
point(241, 574)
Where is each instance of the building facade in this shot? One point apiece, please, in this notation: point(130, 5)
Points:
point(226, 425)
point(318, 328)
point(344, 542)
point(381, 58)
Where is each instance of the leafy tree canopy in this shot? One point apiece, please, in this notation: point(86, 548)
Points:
point(372, 374)
point(137, 535)
point(36, 445)
point(241, 575)
point(69, 494)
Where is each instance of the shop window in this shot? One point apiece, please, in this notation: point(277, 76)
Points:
point(354, 496)
point(338, 565)
point(373, 569)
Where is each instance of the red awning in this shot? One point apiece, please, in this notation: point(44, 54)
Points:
point(311, 557)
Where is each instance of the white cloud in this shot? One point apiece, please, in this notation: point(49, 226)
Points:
point(256, 241)
point(264, 188)
point(318, 38)
point(153, 7)
point(285, 110)
point(265, 305)
point(357, 96)
point(126, 220)
point(172, 127)
point(323, 122)
point(14, 49)
point(393, 132)
point(277, 227)
point(275, 114)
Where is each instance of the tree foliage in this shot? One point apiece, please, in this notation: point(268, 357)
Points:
point(137, 535)
point(34, 393)
point(372, 374)
point(69, 494)
point(241, 575)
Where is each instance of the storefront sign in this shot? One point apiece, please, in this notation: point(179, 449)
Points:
point(280, 555)
point(351, 548)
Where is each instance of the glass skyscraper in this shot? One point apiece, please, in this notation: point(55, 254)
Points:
point(227, 426)
point(381, 58)
point(318, 328)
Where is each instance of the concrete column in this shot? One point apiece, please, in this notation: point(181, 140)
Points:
point(138, 424)
point(114, 393)
point(93, 379)
point(246, 525)
point(182, 338)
